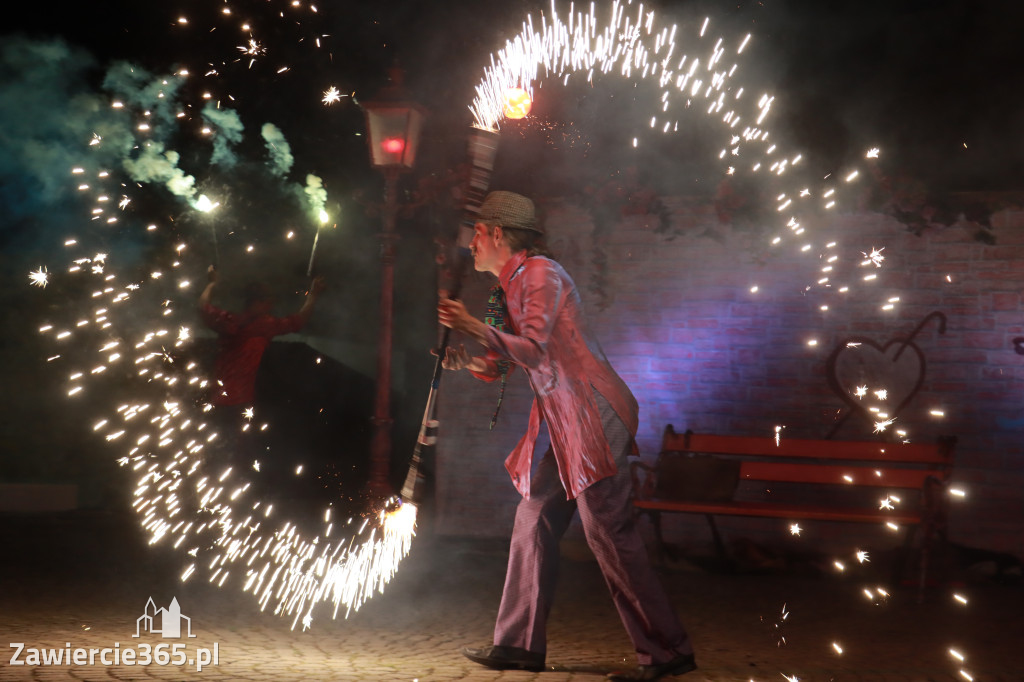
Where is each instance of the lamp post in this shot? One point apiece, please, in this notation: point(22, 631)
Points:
point(393, 124)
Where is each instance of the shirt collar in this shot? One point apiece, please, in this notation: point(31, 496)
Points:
point(511, 267)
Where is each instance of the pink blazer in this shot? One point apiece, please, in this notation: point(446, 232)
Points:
point(565, 364)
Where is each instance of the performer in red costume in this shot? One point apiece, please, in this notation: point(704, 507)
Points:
point(243, 337)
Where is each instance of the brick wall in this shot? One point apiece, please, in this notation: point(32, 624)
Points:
point(676, 315)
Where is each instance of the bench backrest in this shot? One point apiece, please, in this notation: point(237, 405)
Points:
point(860, 463)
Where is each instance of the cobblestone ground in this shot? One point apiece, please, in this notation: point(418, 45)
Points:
point(83, 582)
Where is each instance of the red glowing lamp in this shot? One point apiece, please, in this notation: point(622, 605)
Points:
point(393, 145)
point(394, 124)
point(517, 103)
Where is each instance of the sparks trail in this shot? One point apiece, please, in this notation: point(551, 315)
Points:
point(131, 336)
point(185, 495)
point(698, 73)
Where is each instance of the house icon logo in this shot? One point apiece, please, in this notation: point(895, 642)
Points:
point(165, 622)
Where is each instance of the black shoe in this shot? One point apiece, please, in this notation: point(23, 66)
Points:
point(505, 658)
point(679, 665)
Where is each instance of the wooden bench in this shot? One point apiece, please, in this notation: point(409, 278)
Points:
point(805, 480)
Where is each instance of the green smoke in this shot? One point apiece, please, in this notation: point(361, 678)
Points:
point(281, 159)
point(316, 195)
point(49, 114)
point(153, 164)
point(228, 133)
point(139, 89)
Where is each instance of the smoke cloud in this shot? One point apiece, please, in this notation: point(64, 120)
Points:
point(154, 164)
point(49, 115)
point(316, 195)
point(138, 89)
point(229, 133)
point(281, 159)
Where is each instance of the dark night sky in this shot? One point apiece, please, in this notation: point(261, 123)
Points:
point(934, 83)
point(920, 78)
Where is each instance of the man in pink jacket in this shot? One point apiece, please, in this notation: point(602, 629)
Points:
point(591, 417)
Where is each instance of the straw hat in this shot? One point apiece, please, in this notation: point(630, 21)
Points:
point(509, 209)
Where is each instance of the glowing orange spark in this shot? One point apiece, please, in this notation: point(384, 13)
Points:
point(517, 103)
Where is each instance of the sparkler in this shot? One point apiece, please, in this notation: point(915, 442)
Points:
point(205, 205)
point(316, 240)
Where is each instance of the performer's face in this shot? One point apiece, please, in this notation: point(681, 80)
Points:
point(484, 248)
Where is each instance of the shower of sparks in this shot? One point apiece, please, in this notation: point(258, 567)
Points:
point(862, 556)
point(860, 391)
point(778, 626)
point(331, 95)
point(184, 495)
point(795, 529)
point(39, 278)
point(700, 72)
point(185, 498)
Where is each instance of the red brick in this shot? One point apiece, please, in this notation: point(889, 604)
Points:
point(1007, 301)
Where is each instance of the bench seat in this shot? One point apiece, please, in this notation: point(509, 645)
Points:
point(901, 484)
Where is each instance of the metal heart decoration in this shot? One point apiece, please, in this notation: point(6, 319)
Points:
point(865, 374)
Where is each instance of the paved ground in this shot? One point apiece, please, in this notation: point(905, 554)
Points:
point(81, 580)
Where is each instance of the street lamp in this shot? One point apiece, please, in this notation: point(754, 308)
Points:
point(393, 124)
